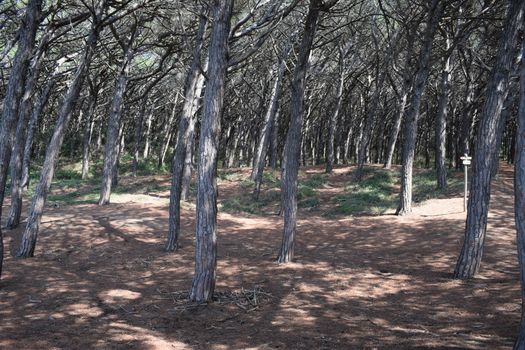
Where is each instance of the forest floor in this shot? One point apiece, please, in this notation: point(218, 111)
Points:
point(101, 280)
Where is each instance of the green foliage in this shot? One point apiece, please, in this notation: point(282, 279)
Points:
point(424, 186)
point(373, 194)
point(377, 192)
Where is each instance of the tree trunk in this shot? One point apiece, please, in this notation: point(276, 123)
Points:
point(30, 234)
point(88, 132)
point(292, 147)
point(139, 124)
point(412, 115)
point(273, 140)
point(188, 167)
point(17, 154)
point(203, 284)
point(519, 200)
point(260, 156)
point(335, 115)
point(37, 111)
point(13, 96)
point(145, 154)
point(441, 121)
point(166, 133)
point(185, 133)
point(486, 148)
point(406, 88)
point(112, 135)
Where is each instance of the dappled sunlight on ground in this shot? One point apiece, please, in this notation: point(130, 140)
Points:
point(100, 279)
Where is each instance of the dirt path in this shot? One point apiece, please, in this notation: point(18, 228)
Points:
point(101, 280)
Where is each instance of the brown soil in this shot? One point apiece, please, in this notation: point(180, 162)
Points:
point(100, 280)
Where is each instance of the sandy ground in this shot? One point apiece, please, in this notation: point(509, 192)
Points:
point(100, 280)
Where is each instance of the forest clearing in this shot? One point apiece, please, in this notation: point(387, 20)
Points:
point(100, 278)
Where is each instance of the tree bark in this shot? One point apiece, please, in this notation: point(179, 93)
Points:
point(193, 90)
point(17, 154)
point(29, 238)
point(412, 114)
point(486, 148)
point(204, 278)
point(292, 147)
point(335, 114)
point(519, 199)
point(112, 136)
point(269, 118)
point(188, 167)
point(13, 96)
point(35, 115)
point(89, 124)
point(139, 125)
point(406, 88)
point(166, 133)
point(441, 120)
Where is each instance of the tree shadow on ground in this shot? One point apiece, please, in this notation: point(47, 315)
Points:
point(101, 280)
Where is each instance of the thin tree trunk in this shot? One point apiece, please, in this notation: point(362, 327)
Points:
point(204, 278)
point(441, 120)
point(292, 147)
point(88, 132)
point(469, 260)
point(188, 167)
point(412, 115)
point(139, 125)
point(28, 244)
point(166, 133)
point(17, 154)
point(335, 115)
point(519, 200)
point(145, 154)
point(112, 135)
point(13, 96)
point(260, 156)
point(273, 140)
point(403, 99)
point(193, 90)
point(37, 111)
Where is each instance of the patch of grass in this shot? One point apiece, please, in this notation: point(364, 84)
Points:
point(425, 186)
point(315, 181)
point(374, 194)
point(240, 205)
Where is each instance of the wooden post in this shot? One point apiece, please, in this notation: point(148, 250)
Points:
point(466, 162)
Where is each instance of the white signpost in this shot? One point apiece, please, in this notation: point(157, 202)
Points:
point(466, 162)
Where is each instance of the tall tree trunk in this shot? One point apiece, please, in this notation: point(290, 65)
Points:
point(335, 114)
point(89, 124)
point(139, 125)
point(28, 244)
point(192, 93)
point(17, 154)
point(273, 140)
point(203, 284)
point(292, 147)
point(412, 115)
point(35, 115)
point(441, 120)
point(145, 154)
point(112, 135)
point(166, 133)
point(486, 148)
point(188, 167)
point(519, 199)
point(13, 96)
point(403, 99)
point(262, 148)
